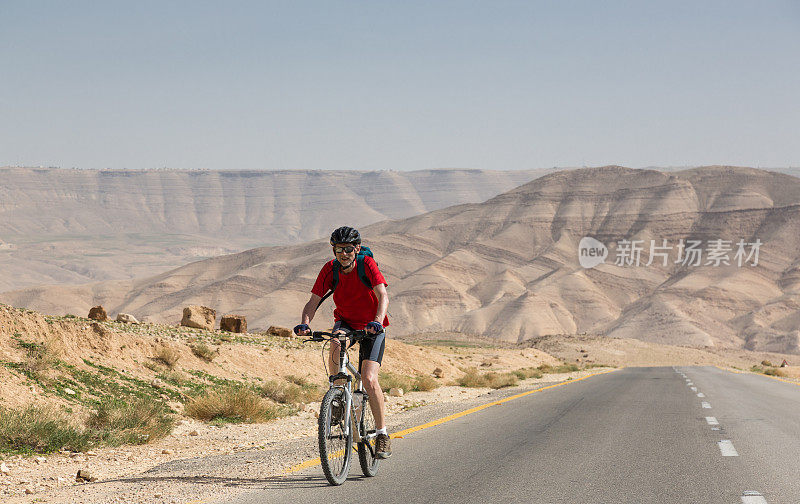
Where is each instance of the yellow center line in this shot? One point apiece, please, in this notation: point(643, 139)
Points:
point(400, 434)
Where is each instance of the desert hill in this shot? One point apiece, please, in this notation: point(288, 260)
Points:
point(508, 268)
point(69, 227)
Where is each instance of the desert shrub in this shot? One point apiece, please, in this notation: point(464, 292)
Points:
point(775, 372)
point(766, 363)
point(40, 357)
point(492, 379)
point(500, 380)
point(232, 404)
point(203, 351)
point(423, 383)
point(140, 421)
point(40, 430)
point(292, 391)
point(167, 355)
point(563, 368)
point(525, 373)
point(152, 366)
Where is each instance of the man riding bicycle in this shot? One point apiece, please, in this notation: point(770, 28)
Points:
point(357, 307)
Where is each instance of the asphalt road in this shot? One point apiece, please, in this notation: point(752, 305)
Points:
point(636, 435)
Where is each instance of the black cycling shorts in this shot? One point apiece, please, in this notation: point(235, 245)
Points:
point(370, 348)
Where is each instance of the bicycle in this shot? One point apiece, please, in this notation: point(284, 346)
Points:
point(345, 415)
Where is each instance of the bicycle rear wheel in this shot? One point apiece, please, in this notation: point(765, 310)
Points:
point(335, 447)
point(366, 449)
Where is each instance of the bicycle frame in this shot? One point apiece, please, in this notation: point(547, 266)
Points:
point(345, 365)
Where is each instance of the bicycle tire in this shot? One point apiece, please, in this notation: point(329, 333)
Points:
point(335, 449)
point(366, 457)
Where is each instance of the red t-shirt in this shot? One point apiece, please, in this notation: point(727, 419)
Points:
point(356, 305)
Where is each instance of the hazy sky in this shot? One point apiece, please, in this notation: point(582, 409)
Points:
point(399, 84)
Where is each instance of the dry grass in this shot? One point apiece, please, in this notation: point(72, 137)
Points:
point(203, 351)
point(41, 357)
point(119, 422)
point(167, 355)
point(473, 379)
point(389, 380)
point(563, 368)
point(40, 430)
point(294, 390)
point(232, 404)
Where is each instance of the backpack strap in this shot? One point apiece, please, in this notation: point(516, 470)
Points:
point(334, 282)
point(362, 272)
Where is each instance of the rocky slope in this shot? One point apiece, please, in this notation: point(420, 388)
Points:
point(508, 268)
point(76, 226)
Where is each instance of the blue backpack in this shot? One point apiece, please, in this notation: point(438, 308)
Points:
point(362, 272)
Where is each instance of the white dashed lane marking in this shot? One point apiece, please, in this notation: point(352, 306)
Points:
point(694, 389)
point(705, 405)
point(753, 498)
point(711, 420)
point(726, 448)
point(701, 394)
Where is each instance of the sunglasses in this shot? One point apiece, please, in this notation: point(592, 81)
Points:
point(345, 250)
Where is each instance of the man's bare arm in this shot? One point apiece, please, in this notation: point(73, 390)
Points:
point(310, 309)
point(383, 302)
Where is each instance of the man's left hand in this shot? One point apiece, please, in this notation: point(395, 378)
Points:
point(374, 328)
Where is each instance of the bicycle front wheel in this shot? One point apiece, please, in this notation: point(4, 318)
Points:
point(335, 446)
point(366, 448)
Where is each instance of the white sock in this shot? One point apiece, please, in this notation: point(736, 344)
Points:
point(381, 431)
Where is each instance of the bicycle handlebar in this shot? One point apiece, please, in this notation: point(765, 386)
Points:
point(325, 335)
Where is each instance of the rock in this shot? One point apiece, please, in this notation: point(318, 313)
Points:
point(396, 392)
point(84, 475)
point(158, 496)
point(194, 433)
point(585, 355)
point(486, 363)
point(40, 460)
point(167, 451)
point(98, 313)
point(157, 383)
point(61, 480)
point(233, 323)
point(90, 453)
point(126, 318)
point(438, 372)
point(28, 491)
point(279, 331)
point(199, 317)
point(69, 391)
point(4, 468)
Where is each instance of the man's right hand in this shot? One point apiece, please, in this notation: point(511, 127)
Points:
point(302, 330)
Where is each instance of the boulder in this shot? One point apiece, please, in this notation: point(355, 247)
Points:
point(438, 373)
point(396, 392)
point(126, 318)
point(280, 331)
point(84, 475)
point(233, 323)
point(199, 317)
point(98, 313)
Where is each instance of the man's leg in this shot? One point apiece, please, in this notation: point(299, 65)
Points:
point(369, 377)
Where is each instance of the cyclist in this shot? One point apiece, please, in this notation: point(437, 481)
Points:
point(357, 307)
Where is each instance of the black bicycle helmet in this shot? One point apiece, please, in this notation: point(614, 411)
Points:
point(345, 234)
